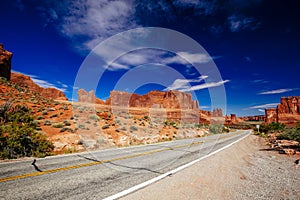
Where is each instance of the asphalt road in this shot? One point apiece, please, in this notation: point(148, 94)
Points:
point(100, 174)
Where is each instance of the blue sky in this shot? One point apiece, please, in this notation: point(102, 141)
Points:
point(254, 44)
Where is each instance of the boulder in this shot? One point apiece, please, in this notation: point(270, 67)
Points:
point(5, 63)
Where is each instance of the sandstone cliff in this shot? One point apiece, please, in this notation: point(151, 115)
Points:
point(5, 63)
point(287, 112)
point(88, 97)
point(26, 81)
point(154, 99)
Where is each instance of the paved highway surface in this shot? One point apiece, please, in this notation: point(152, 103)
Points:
point(100, 174)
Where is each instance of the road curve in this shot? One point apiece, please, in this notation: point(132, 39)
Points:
point(101, 174)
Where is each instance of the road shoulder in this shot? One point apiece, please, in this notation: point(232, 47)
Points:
point(243, 171)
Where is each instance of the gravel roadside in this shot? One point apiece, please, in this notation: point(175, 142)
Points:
point(244, 171)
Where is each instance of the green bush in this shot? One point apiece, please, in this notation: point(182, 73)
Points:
point(18, 137)
point(106, 126)
point(293, 134)
point(58, 125)
point(216, 128)
point(273, 127)
point(133, 128)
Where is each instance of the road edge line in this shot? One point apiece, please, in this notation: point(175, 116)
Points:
point(160, 177)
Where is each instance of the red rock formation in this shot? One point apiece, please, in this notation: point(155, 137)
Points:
point(287, 112)
point(5, 63)
point(289, 105)
point(157, 99)
point(271, 115)
point(217, 112)
point(26, 81)
point(88, 97)
point(253, 118)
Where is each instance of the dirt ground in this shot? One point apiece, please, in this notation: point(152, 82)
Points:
point(243, 171)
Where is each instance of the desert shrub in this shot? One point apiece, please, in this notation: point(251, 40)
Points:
point(54, 115)
point(40, 117)
point(216, 128)
point(67, 123)
point(106, 126)
point(18, 137)
point(66, 129)
point(133, 128)
point(81, 126)
point(93, 117)
point(44, 112)
point(47, 123)
point(273, 127)
point(58, 125)
point(293, 134)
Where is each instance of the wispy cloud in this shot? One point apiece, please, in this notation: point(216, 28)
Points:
point(184, 85)
point(278, 91)
point(146, 56)
point(180, 84)
point(46, 84)
point(268, 105)
point(88, 22)
point(186, 57)
point(204, 107)
point(238, 23)
point(261, 110)
point(205, 86)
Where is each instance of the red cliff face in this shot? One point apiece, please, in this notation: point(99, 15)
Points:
point(271, 115)
point(88, 97)
point(26, 81)
point(5, 63)
point(157, 99)
point(287, 112)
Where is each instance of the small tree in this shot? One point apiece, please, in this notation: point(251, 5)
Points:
point(18, 137)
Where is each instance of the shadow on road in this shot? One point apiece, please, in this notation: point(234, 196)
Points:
point(36, 167)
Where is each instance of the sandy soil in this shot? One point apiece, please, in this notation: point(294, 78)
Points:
point(243, 171)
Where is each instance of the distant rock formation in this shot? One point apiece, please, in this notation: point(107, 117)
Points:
point(155, 99)
point(88, 97)
point(287, 112)
point(217, 112)
point(253, 118)
point(5, 63)
point(26, 81)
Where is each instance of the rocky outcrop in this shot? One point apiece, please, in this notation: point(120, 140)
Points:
point(26, 81)
point(5, 63)
point(253, 118)
point(154, 99)
point(88, 97)
point(271, 115)
point(217, 112)
point(287, 112)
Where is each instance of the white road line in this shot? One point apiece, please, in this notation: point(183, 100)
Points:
point(144, 184)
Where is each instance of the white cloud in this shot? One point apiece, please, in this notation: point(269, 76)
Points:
point(238, 23)
point(94, 20)
point(145, 56)
point(183, 85)
point(268, 105)
point(204, 86)
point(204, 107)
point(261, 110)
point(185, 57)
point(279, 91)
point(45, 84)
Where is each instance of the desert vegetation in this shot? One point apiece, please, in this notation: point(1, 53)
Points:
point(18, 134)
